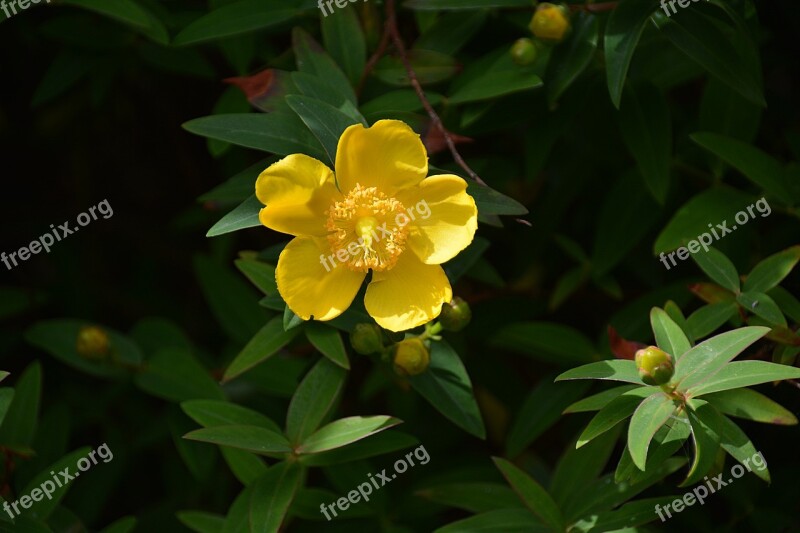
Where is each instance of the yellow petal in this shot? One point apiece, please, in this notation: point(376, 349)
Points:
point(408, 295)
point(296, 190)
point(389, 156)
point(311, 288)
point(445, 218)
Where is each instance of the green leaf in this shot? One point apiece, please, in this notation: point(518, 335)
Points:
point(233, 302)
point(718, 267)
point(669, 335)
point(238, 518)
point(491, 77)
point(290, 319)
point(709, 318)
point(612, 369)
point(707, 358)
point(6, 397)
point(700, 38)
point(59, 339)
point(491, 202)
point(541, 409)
point(254, 439)
point(716, 205)
point(572, 57)
point(622, 34)
point(238, 188)
point(505, 520)
point(732, 439)
point(646, 127)
point(272, 495)
point(201, 522)
point(619, 409)
point(667, 440)
point(447, 387)
point(451, 31)
point(244, 216)
point(744, 374)
point(314, 399)
point(260, 274)
point(475, 497)
point(546, 341)
point(762, 305)
point(123, 525)
point(627, 517)
point(706, 445)
point(280, 132)
point(345, 431)
point(176, 376)
point(325, 121)
point(533, 495)
point(45, 506)
point(312, 59)
point(269, 340)
point(759, 167)
point(787, 302)
point(19, 425)
point(210, 413)
point(127, 12)
point(328, 341)
point(751, 405)
point(344, 40)
point(772, 270)
point(579, 467)
point(651, 414)
point(377, 444)
point(430, 67)
point(236, 18)
point(595, 402)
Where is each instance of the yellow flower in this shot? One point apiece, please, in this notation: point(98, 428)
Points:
point(550, 22)
point(378, 213)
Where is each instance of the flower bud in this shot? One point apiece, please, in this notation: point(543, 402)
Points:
point(655, 366)
point(523, 52)
point(92, 343)
point(411, 357)
point(455, 315)
point(550, 22)
point(366, 339)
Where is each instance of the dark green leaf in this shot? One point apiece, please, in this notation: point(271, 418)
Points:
point(650, 415)
point(772, 270)
point(329, 343)
point(533, 495)
point(236, 18)
point(572, 57)
point(718, 267)
point(345, 431)
point(254, 439)
point(314, 399)
point(264, 344)
point(744, 374)
point(613, 369)
point(272, 495)
point(622, 34)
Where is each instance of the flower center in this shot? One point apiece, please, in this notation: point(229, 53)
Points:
point(365, 231)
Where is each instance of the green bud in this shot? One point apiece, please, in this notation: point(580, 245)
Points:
point(366, 339)
point(655, 366)
point(411, 357)
point(524, 52)
point(92, 343)
point(455, 315)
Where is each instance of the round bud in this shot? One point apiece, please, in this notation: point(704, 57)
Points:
point(655, 366)
point(92, 343)
point(411, 357)
point(550, 22)
point(523, 52)
point(455, 315)
point(366, 339)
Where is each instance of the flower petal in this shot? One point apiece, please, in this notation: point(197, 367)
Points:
point(296, 191)
point(311, 289)
point(389, 156)
point(408, 295)
point(445, 218)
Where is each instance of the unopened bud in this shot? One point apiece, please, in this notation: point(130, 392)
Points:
point(366, 339)
point(550, 22)
point(655, 365)
point(455, 315)
point(92, 343)
point(523, 52)
point(411, 357)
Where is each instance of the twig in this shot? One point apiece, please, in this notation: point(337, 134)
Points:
point(594, 8)
point(374, 58)
point(391, 29)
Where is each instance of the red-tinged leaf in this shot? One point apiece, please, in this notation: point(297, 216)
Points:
point(711, 293)
point(264, 89)
point(620, 347)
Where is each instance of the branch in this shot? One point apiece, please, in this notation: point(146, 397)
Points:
point(594, 8)
point(394, 33)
